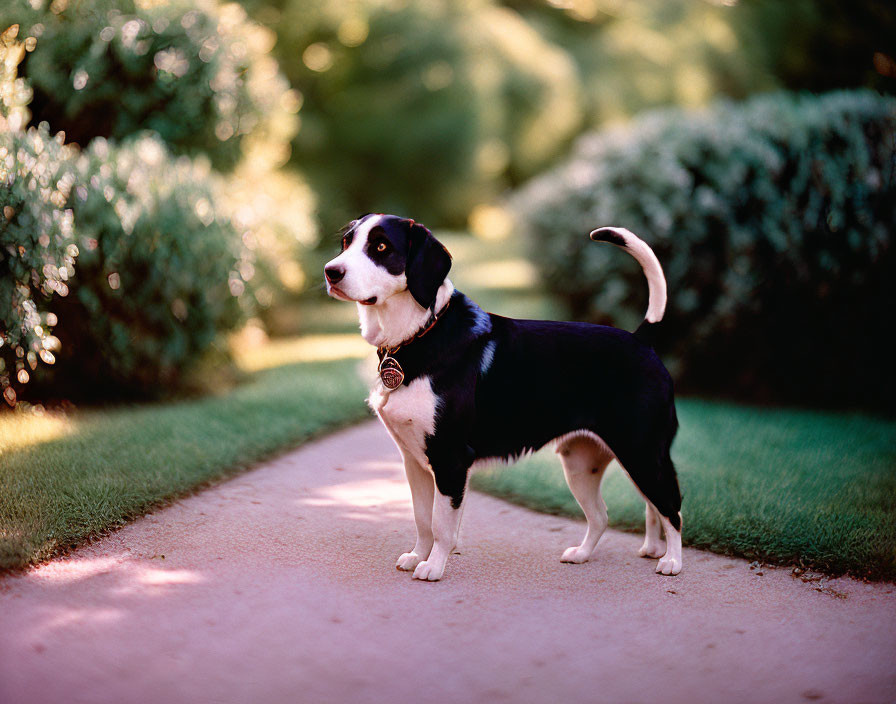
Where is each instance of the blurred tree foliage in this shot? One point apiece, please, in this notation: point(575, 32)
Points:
point(426, 108)
point(774, 221)
point(819, 45)
point(432, 107)
point(197, 73)
point(636, 55)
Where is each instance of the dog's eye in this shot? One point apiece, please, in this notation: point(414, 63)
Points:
point(382, 247)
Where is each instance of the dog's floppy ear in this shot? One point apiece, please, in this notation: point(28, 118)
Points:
point(427, 266)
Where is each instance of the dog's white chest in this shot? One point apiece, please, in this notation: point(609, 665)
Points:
point(409, 414)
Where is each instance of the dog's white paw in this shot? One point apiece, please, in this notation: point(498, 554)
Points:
point(652, 548)
point(408, 561)
point(576, 554)
point(668, 565)
point(429, 571)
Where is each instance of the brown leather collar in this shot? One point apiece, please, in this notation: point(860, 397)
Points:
point(383, 352)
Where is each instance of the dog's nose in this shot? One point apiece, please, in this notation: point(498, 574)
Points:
point(334, 274)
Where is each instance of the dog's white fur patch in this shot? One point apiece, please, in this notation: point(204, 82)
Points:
point(488, 355)
point(399, 317)
point(670, 563)
point(584, 461)
point(483, 323)
point(656, 282)
point(422, 484)
point(557, 443)
point(653, 541)
point(445, 529)
point(563, 441)
point(491, 462)
point(410, 416)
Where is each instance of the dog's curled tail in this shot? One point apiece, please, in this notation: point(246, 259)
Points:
point(656, 282)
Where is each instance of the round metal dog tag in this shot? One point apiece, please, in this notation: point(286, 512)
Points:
point(391, 373)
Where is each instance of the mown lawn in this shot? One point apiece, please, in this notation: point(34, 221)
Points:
point(67, 478)
point(783, 486)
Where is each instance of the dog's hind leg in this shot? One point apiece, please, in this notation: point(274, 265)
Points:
point(670, 517)
point(670, 563)
point(584, 462)
point(653, 539)
point(659, 486)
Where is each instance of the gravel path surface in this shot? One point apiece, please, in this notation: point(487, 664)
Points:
point(279, 586)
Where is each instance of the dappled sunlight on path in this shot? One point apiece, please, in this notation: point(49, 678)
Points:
point(280, 586)
point(389, 496)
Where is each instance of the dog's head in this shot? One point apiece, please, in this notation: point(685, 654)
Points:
point(383, 255)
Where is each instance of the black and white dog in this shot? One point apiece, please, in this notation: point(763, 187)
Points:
point(458, 385)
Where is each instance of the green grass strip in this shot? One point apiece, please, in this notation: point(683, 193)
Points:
point(65, 480)
point(783, 486)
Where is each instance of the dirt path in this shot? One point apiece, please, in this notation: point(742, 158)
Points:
point(279, 586)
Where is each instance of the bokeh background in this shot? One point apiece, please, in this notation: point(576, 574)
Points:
point(174, 170)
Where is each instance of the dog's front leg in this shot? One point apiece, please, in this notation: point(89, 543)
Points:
point(446, 513)
point(451, 468)
point(449, 457)
point(422, 491)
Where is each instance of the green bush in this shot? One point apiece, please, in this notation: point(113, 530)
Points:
point(196, 73)
point(421, 108)
point(161, 271)
point(37, 249)
point(15, 93)
point(164, 246)
point(774, 222)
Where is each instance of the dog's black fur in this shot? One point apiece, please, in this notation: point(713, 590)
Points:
point(507, 387)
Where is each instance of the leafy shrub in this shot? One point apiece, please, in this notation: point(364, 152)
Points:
point(37, 249)
point(15, 93)
point(421, 108)
point(774, 222)
point(161, 271)
point(196, 73)
point(37, 245)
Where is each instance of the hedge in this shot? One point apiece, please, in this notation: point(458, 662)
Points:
point(197, 73)
point(37, 249)
point(122, 264)
point(161, 272)
point(774, 222)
